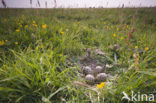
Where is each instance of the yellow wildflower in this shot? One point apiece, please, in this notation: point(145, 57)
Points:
point(146, 48)
point(127, 27)
point(104, 22)
point(44, 26)
point(96, 26)
point(121, 38)
point(4, 65)
point(16, 43)
point(34, 22)
point(117, 29)
point(101, 85)
point(26, 26)
point(1, 43)
point(17, 30)
point(136, 47)
point(21, 22)
point(62, 32)
point(20, 25)
point(114, 35)
point(6, 40)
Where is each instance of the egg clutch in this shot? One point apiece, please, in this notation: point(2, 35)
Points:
point(94, 75)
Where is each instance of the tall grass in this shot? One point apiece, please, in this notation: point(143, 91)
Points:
point(40, 56)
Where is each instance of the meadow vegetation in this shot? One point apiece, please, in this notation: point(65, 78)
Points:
point(41, 50)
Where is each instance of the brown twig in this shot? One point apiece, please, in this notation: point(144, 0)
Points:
point(130, 34)
point(136, 61)
point(134, 17)
point(81, 84)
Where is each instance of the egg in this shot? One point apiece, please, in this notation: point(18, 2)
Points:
point(97, 70)
point(90, 79)
point(87, 70)
point(101, 77)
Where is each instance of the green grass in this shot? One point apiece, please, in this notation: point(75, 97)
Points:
point(33, 61)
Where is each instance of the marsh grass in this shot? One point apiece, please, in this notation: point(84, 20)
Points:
point(35, 69)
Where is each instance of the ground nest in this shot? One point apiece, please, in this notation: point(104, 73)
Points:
point(94, 67)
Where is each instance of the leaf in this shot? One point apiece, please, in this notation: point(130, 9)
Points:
point(51, 95)
point(7, 89)
point(148, 73)
point(7, 79)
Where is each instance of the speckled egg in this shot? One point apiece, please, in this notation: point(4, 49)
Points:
point(87, 70)
point(101, 77)
point(90, 79)
point(97, 70)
